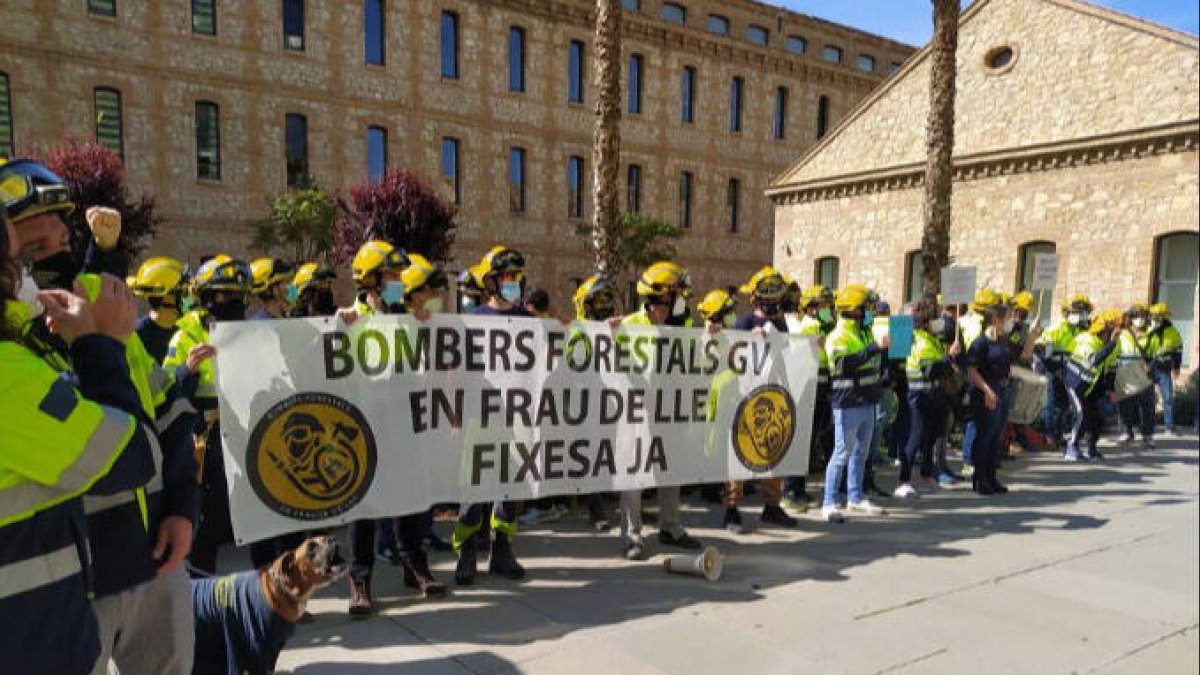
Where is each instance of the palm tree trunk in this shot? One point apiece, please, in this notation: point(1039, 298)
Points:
point(606, 141)
point(939, 143)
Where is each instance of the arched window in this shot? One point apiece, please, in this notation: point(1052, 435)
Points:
point(914, 276)
point(825, 271)
point(822, 116)
point(1176, 269)
point(1025, 266)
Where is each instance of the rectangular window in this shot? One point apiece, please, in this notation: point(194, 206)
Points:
point(822, 116)
point(685, 199)
point(796, 44)
point(377, 153)
point(914, 277)
point(293, 25)
point(832, 54)
point(296, 140)
point(449, 39)
point(635, 84)
point(374, 30)
point(516, 180)
point(673, 13)
point(204, 17)
point(575, 187)
point(735, 104)
point(758, 35)
point(866, 63)
point(717, 24)
point(1025, 263)
point(1177, 266)
point(6, 120)
point(208, 140)
point(102, 7)
point(893, 67)
point(109, 130)
point(450, 167)
point(575, 72)
point(687, 95)
point(632, 5)
point(781, 110)
point(825, 272)
point(733, 203)
point(633, 189)
point(516, 59)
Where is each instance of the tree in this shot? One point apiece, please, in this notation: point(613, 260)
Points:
point(95, 176)
point(401, 208)
point(939, 143)
point(637, 242)
point(301, 222)
point(606, 140)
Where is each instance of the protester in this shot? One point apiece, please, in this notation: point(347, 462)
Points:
point(160, 281)
point(927, 368)
point(313, 286)
point(1133, 351)
point(1058, 344)
point(1089, 379)
point(1166, 352)
point(817, 305)
point(595, 300)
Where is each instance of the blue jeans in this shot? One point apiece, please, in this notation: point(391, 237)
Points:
point(969, 433)
point(852, 432)
point(1166, 389)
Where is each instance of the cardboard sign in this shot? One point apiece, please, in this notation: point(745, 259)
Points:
point(1045, 272)
point(958, 285)
point(900, 332)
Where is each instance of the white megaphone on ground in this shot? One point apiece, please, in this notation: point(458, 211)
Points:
point(709, 564)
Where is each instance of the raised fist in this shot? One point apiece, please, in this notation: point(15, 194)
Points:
point(105, 224)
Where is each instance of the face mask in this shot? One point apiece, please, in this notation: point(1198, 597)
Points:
point(27, 290)
point(1139, 322)
point(393, 293)
point(730, 320)
point(937, 326)
point(291, 294)
point(770, 310)
point(824, 315)
point(433, 305)
point(868, 319)
point(57, 271)
point(229, 310)
point(510, 291)
point(679, 307)
point(322, 303)
point(1156, 323)
point(1074, 319)
point(467, 304)
point(1008, 325)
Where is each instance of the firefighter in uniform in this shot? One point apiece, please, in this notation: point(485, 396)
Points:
point(816, 304)
point(1166, 351)
point(928, 364)
point(313, 286)
point(1088, 378)
point(1133, 351)
point(1056, 345)
point(160, 281)
point(596, 300)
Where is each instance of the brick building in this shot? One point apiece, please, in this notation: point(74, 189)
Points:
point(1076, 131)
point(217, 106)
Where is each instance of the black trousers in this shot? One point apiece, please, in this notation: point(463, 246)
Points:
point(410, 530)
point(215, 528)
point(1138, 412)
point(927, 416)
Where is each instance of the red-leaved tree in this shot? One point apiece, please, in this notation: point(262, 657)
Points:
point(401, 208)
point(95, 177)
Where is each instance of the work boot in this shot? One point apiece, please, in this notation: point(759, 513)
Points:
point(773, 514)
point(733, 521)
point(418, 576)
point(502, 562)
point(361, 605)
point(464, 571)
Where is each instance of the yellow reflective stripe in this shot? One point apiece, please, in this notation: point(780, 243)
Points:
point(31, 574)
point(111, 434)
point(141, 500)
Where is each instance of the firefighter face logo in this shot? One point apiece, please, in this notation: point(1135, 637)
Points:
point(311, 457)
point(763, 427)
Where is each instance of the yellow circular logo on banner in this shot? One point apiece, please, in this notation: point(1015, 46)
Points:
point(311, 457)
point(763, 427)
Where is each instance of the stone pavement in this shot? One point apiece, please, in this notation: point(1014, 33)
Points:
point(1081, 569)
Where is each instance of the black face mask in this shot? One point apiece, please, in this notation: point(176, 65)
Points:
point(57, 271)
point(229, 310)
point(322, 302)
point(770, 310)
point(603, 314)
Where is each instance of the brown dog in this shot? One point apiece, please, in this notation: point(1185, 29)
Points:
point(244, 620)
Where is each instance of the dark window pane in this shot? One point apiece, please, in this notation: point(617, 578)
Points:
point(1177, 266)
point(296, 137)
point(293, 24)
point(635, 83)
point(717, 24)
point(758, 35)
point(685, 199)
point(734, 203)
point(6, 121)
point(1026, 263)
point(208, 141)
point(575, 72)
point(781, 106)
point(914, 268)
point(516, 180)
point(102, 7)
point(450, 171)
point(822, 116)
point(109, 129)
point(450, 45)
point(633, 190)
point(374, 26)
point(866, 63)
point(893, 67)
point(826, 272)
point(632, 5)
point(575, 187)
point(377, 143)
point(796, 44)
point(735, 105)
point(204, 17)
point(832, 54)
point(674, 13)
point(516, 59)
point(688, 95)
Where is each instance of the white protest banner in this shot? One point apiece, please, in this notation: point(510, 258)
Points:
point(1045, 272)
point(324, 424)
point(958, 285)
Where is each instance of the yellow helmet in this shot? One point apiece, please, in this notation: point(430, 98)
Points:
point(28, 189)
point(158, 277)
point(816, 294)
point(1138, 308)
point(422, 274)
point(1024, 301)
point(595, 298)
point(664, 278)
point(716, 304)
point(266, 272)
point(1006, 298)
point(1160, 310)
point(498, 260)
point(1106, 320)
point(310, 273)
point(852, 298)
point(986, 300)
point(766, 284)
point(376, 256)
point(1078, 303)
point(222, 273)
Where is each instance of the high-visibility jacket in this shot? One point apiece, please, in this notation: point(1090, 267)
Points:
point(1165, 347)
point(927, 362)
point(971, 325)
point(192, 332)
point(1058, 343)
point(1091, 361)
point(1133, 348)
point(58, 442)
point(811, 325)
point(855, 365)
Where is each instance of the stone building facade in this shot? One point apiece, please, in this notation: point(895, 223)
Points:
point(1076, 132)
point(257, 68)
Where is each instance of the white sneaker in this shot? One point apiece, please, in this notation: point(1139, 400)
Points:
point(831, 514)
point(906, 491)
point(865, 507)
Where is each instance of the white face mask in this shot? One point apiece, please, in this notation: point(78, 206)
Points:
point(27, 291)
point(680, 306)
point(1074, 318)
point(937, 326)
point(1008, 325)
point(433, 305)
point(1156, 323)
point(1139, 322)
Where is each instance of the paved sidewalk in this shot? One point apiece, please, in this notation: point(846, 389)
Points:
point(1081, 569)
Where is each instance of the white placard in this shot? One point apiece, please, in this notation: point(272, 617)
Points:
point(1045, 272)
point(958, 285)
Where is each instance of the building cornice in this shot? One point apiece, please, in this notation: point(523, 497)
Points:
point(1104, 149)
